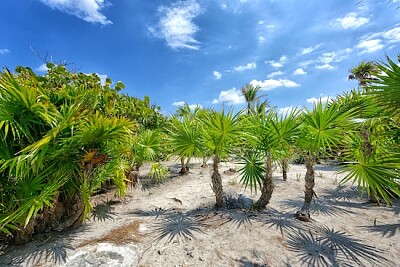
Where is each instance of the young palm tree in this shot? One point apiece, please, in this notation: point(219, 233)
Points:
point(322, 130)
point(250, 94)
point(184, 140)
point(270, 137)
point(371, 151)
point(220, 135)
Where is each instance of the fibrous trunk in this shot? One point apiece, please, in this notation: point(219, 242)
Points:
point(285, 166)
point(217, 183)
point(304, 213)
point(183, 171)
point(267, 186)
point(133, 176)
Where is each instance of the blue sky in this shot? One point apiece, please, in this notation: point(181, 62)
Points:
point(203, 51)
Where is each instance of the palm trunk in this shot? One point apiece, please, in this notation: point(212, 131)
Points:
point(267, 186)
point(187, 165)
point(304, 213)
point(204, 164)
point(284, 168)
point(133, 176)
point(217, 183)
point(183, 171)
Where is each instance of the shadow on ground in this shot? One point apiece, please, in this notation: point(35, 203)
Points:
point(328, 247)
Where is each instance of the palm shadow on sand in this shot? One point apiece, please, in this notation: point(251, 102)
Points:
point(328, 247)
point(53, 250)
point(171, 225)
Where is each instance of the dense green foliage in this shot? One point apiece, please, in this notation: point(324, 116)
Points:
point(63, 135)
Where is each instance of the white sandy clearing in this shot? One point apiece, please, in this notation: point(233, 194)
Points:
point(176, 224)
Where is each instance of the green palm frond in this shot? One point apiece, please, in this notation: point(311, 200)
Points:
point(221, 132)
point(324, 126)
point(184, 138)
point(380, 178)
point(158, 172)
point(252, 171)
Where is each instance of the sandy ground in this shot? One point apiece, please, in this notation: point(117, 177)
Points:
point(176, 224)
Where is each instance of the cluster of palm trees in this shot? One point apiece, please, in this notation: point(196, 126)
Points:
point(65, 135)
point(360, 129)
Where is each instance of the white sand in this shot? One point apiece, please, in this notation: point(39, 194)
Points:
point(178, 226)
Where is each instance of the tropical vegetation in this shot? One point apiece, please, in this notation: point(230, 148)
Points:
point(65, 135)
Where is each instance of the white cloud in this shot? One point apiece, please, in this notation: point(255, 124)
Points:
point(306, 63)
point(276, 73)
point(392, 35)
point(248, 66)
point(261, 39)
point(322, 98)
point(176, 24)
point(370, 46)
point(260, 22)
point(4, 51)
point(310, 49)
point(193, 106)
point(299, 71)
point(88, 10)
point(350, 21)
point(178, 103)
point(217, 75)
point(278, 64)
point(42, 68)
point(230, 97)
point(270, 84)
point(325, 67)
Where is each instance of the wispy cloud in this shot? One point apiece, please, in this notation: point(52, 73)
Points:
point(350, 21)
point(4, 51)
point(278, 64)
point(376, 41)
point(230, 97)
point(178, 103)
point(322, 98)
point(176, 25)
point(310, 49)
point(88, 10)
point(326, 59)
point(299, 71)
point(370, 46)
point(275, 73)
point(270, 84)
point(248, 66)
point(217, 75)
point(326, 66)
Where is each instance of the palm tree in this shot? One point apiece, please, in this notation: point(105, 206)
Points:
point(322, 130)
point(184, 140)
point(364, 72)
point(371, 151)
point(59, 144)
point(270, 137)
point(249, 92)
point(220, 135)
